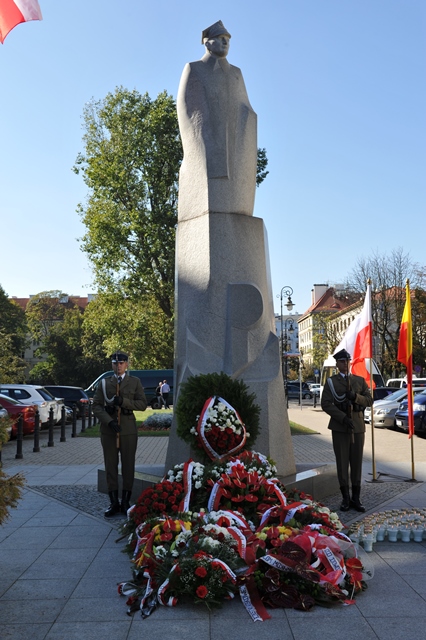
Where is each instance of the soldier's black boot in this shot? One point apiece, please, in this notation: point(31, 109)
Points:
point(125, 501)
point(114, 507)
point(355, 500)
point(346, 499)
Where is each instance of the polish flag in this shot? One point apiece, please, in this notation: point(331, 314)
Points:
point(358, 340)
point(13, 12)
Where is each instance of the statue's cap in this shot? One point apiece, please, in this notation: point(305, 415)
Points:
point(119, 356)
point(342, 355)
point(216, 29)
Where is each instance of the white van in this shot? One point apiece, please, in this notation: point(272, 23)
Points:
point(399, 383)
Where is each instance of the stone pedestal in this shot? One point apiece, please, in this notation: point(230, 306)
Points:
point(225, 322)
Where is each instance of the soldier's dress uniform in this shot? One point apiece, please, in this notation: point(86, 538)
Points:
point(348, 441)
point(133, 399)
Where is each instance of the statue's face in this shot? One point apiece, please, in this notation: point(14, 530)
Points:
point(218, 46)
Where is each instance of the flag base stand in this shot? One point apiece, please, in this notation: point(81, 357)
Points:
point(391, 475)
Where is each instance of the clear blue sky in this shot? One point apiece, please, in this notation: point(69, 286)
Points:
point(339, 87)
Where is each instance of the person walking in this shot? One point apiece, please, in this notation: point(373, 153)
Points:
point(344, 398)
point(165, 390)
point(158, 396)
point(115, 400)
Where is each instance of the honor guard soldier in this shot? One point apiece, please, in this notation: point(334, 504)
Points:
point(114, 402)
point(344, 398)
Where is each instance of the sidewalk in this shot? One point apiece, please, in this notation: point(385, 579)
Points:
point(59, 563)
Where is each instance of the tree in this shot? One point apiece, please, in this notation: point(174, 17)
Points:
point(134, 326)
point(42, 312)
point(388, 274)
point(130, 165)
point(13, 340)
point(12, 322)
point(262, 163)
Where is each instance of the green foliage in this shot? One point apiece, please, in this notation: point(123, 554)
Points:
point(43, 311)
point(10, 486)
point(262, 163)
point(13, 339)
point(12, 366)
point(135, 325)
point(197, 389)
point(131, 164)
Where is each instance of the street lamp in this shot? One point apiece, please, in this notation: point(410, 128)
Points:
point(290, 330)
point(285, 291)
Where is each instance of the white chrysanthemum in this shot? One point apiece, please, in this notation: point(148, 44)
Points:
point(198, 484)
point(160, 551)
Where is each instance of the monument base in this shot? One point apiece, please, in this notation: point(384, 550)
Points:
point(319, 481)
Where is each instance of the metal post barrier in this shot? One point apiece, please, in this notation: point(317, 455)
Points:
point(19, 437)
point(89, 419)
point(315, 400)
point(83, 422)
point(74, 422)
point(63, 437)
point(94, 420)
point(50, 442)
point(36, 447)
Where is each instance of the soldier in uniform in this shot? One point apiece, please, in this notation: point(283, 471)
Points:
point(114, 401)
point(344, 398)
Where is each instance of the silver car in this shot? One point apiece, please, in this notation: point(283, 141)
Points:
point(384, 410)
point(36, 395)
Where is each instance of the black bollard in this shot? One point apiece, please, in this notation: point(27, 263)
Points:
point(83, 421)
point(36, 448)
point(89, 419)
point(50, 442)
point(19, 438)
point(315, 400)
point(74, 422)
point(63, 437)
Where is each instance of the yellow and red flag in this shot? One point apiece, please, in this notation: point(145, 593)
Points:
point(405, 354)
point(13, 12)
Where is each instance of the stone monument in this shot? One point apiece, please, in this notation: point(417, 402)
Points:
point(224, 305)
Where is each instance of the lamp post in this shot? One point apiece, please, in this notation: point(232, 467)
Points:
point(285, 292)
point(290, 330)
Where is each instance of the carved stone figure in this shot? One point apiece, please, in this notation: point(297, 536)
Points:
point(219, 133)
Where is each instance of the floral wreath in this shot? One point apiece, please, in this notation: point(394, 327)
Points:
point(196, 393)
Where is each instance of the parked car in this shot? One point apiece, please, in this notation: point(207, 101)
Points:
point(380, 393)
point(71, 396)
point(14, 409)
point(315, 388)
point(399, 383)
point(419, 412)
point(293, 390)
point(33, 395)
point(384, 410)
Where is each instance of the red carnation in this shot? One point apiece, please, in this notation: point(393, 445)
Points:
point(201, 572)
point(202, 591)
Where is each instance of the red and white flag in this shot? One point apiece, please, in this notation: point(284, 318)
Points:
point(358, 339)
point(13, 12)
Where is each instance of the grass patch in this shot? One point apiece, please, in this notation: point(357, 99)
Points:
point(141, 416)
point(298, 430)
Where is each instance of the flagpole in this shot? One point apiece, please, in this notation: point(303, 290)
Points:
point(373, 454)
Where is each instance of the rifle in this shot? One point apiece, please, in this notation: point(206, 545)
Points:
point(117, 393)
point(349, 403)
